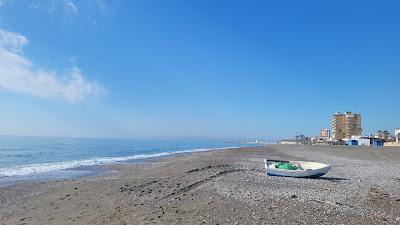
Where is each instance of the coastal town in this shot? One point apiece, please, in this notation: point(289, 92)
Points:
point(347, 130)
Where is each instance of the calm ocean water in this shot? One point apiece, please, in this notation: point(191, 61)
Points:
point(26, 158)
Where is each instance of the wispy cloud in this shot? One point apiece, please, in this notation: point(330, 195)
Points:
point(70, 8)
point(18, 74)
point(71, 11)
point(12, 41)
point(46, 5)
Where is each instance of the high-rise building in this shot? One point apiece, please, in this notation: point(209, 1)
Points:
point(346, 125)
point(396, 134)
point(326, 133)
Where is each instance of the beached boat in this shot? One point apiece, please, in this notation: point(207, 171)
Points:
point(295, 168)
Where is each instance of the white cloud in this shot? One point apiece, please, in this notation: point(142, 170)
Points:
point(18, 74)
point(12, 41)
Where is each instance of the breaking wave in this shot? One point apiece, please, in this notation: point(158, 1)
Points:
point(24, 170)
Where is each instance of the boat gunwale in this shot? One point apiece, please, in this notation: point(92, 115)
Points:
point(317, 172)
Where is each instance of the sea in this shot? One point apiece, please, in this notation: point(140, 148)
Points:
point(44, 158)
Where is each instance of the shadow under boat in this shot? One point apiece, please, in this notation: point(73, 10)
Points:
point(328, 178)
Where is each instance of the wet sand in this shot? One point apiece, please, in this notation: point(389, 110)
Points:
point(220, 187)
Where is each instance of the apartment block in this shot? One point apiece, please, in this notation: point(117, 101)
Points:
point(326, 133)
point(345, 125)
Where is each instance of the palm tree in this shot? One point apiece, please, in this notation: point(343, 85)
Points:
point(379, 134)
point(385, 135)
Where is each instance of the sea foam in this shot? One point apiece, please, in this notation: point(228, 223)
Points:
point(24, 170)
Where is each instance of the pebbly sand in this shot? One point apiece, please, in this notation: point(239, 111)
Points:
point(220, 187)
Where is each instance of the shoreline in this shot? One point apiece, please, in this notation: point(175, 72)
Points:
point(42, 185)
point(224, 186)
point(88, 169)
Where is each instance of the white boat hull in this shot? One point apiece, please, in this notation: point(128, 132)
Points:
point(307, 169)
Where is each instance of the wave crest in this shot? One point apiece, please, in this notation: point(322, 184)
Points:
point(30, 169)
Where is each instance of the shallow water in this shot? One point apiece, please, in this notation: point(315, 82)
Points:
point(30, 158)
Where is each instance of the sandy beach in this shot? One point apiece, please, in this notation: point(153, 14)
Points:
point(220, 187)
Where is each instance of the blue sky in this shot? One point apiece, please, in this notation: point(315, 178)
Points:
point(262, 69)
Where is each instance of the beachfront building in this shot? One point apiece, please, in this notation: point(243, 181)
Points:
point(395, 141)
point(346, 125)
point(377, 142)
point(352, 142)
point(324, 138)
point(360, 141)
point(365, 141)
point(325, 133)
point(288, 142)
point(385, 135)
